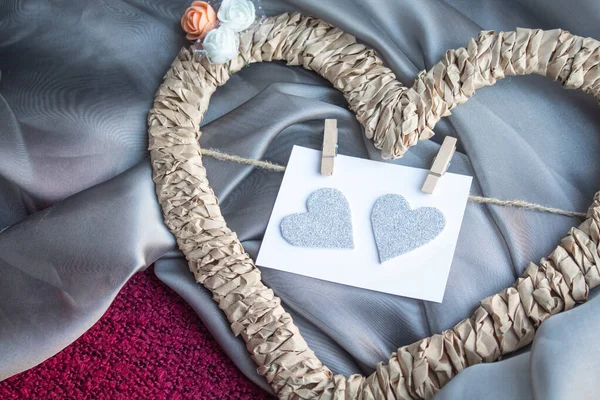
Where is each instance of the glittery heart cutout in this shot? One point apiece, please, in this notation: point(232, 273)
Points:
point(398, 229)
point(327, 224)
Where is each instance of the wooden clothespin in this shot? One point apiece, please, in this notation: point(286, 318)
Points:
point(330, 147)
point(440, 164)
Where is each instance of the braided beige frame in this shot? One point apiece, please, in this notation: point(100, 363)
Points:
point(395, 117)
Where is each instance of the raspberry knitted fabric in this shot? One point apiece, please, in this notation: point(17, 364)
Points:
point(149, 344)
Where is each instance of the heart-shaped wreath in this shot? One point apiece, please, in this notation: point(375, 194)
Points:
point(394, 117)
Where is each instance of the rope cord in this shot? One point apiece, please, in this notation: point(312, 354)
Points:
point(269, 166)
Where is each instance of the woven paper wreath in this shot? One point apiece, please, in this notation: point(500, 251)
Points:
point(395, 117)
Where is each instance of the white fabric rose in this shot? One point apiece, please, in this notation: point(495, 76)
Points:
point(221, 45)
point(237, 15)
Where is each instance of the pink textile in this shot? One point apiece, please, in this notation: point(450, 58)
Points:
point(149, 344)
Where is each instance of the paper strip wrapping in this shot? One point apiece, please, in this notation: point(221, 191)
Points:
point(394, 117)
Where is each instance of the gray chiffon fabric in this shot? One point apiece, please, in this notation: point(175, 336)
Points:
point(78, 214)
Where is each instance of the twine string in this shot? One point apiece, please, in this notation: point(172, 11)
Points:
point(269, 166)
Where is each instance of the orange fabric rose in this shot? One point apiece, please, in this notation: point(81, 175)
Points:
point(198, 20)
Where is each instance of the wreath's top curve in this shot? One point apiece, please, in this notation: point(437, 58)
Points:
point(394, 116)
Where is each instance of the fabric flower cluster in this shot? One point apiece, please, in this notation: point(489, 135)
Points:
point(219, 31)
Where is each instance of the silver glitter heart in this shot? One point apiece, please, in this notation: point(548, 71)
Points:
point(327, 224)
point(398, 229)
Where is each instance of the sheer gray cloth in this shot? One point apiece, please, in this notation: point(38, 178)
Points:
point(78, 214)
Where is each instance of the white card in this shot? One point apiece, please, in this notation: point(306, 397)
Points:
point(421, 273)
